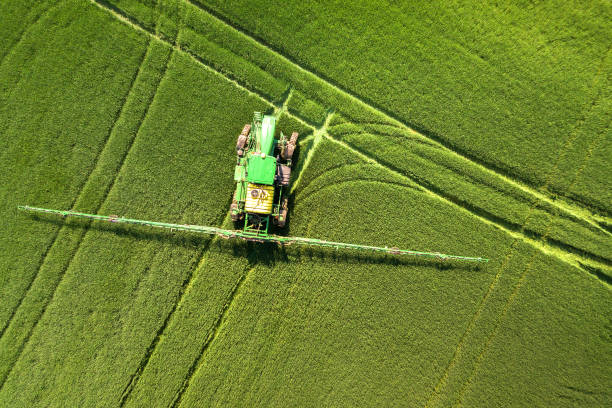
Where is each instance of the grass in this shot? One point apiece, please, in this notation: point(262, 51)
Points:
point(485, 137)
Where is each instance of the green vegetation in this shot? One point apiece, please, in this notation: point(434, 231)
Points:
point(467, 129)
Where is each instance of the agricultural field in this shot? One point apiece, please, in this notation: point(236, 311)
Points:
point(456, 127)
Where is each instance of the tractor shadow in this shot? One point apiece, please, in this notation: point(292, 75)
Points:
point(271, 255)
point(183, 239)
point(267, 254)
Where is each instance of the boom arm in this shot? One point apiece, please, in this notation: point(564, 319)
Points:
point(241, 234)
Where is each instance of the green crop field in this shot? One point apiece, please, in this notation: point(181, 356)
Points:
point(456, 127)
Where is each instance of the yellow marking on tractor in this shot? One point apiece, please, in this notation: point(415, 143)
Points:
point(259, 198)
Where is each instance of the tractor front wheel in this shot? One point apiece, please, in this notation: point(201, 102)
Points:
point(242, 139)
point(287, 152)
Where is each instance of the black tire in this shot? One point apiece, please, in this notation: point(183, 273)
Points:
point(242, 139)
point(282, 218)
point(287, 152)
point(236, 216)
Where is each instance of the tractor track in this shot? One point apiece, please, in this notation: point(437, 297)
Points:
point(604, 279)
point(187, 282)
point(512, 229)
point(305, 198)
point(287, 302)
point(82, 186)
point(25, 294)
point(404, 138)
point(478, 180)
point(135, 377)
point(317, 137)
point(492, 219)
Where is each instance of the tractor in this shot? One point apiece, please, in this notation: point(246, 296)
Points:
point(262, 175)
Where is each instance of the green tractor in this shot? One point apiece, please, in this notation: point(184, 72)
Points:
point(262, 175)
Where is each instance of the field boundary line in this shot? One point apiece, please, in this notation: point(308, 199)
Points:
point(419, 130)
point(211, 336)
point(83, 233)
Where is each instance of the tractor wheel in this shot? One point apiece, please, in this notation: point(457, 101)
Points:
point(284, 210)
point(287, 152)
point(242, 139)
point(235, 212)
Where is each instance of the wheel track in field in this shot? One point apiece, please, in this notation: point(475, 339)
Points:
point(317, 137)
point(135, 377)
point(513, 248)
point(560, 251)
point(401, 137)
point(81, 188)
point(415, 128)
point(29, 286)
point(304, 198)
point(475, 178)
point(76, 199)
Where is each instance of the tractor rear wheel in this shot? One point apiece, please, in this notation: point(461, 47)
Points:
point(284, 210)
